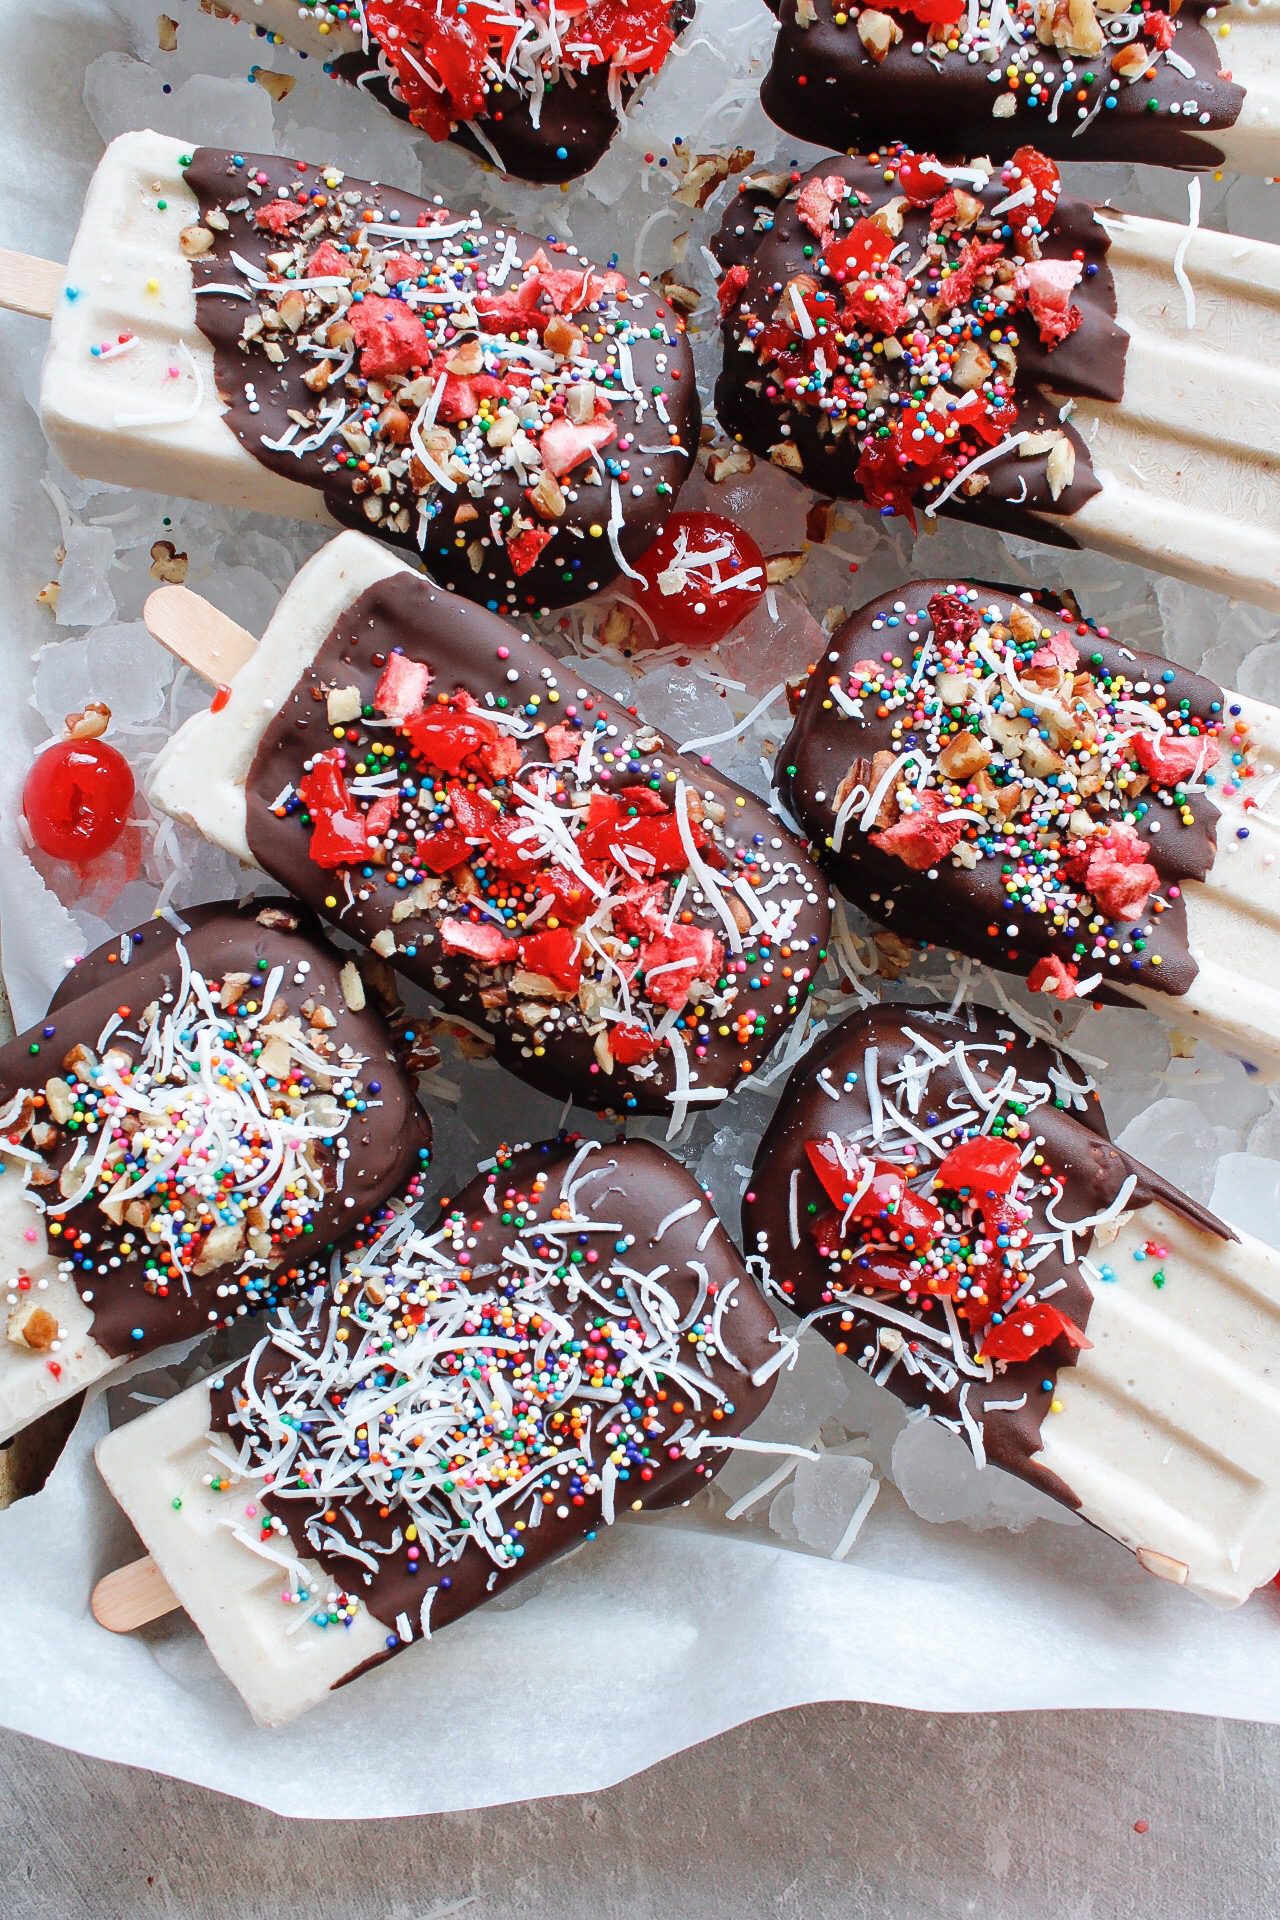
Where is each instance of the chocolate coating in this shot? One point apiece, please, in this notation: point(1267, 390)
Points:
point(770, 240)
point(577, 124)
point(1076, 1151)
point(384, 1144)
point(973, 909)
point(473, 652)
point(824, 86)
point(460, 547)
point(691, 1260)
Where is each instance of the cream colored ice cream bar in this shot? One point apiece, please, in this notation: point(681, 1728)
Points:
point(572, 1339)
point(282, 337)
point(633, 930)
point(991, 771)
point(938, 1197)
point(538, 87)
point(199, 1117)
point(963, 340)
point(1195, 85)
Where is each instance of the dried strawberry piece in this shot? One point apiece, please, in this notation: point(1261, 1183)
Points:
point(328, 260)
point(920, 839)
point(524, 547)
point(563, 742)
point(879, 302)
point(1113, 868)
point(1175, 757)
point(1059, 650)
point(277, 216)
point(402, 687)
point(955, 621)
point(446, 738)
point(919, 174)
point(1160, 29)
point(865, 246)
point(565, 443)
point(730, 289)
point(629, 1044)
point(479, 939)
point(1054, 976)
point(1048, 285)
point(817, 201)
point(640, 909)
point(570, 289)
point(397, 267)
point(555, 954)
point(673, 961)
point(1031, 1326)
point(986, 1168)
point(390, 338)
point(977, 257)
point(463, 395)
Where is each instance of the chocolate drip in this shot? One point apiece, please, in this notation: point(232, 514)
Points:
point(643, 1188)
point(824, 86)
point(576, 127)
point(971, 909)
point(384, 1144)
point(1089, 361)
point(1076, 1149)
point(260, 397)
point(471, 651)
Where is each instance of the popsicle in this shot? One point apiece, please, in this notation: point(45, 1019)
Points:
point(939, 339)
point(268, 334)
point(632, 930)
point(1188, 86)
point(574, 1339)
point(938, 1197)
point(538, 87)
point(200, 1117)
point(989, 770)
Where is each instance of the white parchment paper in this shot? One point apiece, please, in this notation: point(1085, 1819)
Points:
point(956, 1591)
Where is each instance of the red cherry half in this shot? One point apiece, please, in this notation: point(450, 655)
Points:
point(77, 798)
point(702, 575)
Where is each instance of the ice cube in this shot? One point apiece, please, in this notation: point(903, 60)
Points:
point(84, 593)
point(830, 1501)
point(1175, 1138)
point(1246, 1191)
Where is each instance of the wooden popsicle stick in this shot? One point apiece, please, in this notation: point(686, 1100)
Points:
point(29, 285)
point(126, 1599)
point(208, 641)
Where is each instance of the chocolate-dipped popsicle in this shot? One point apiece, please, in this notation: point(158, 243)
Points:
point(272, 334)
point(1188, 86)
point(938, 1197)
point(184, 1138)
point(632, 929)
point(539, 87)
point(990, 771)
point(964, 340)
point(573, 1338)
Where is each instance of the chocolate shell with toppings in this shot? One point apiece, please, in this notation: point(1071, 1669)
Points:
point(1081, 79)
point(938, 1197)
point(200, 1117)
point(990, 771)
point(903, 333)
point(518, 418)
point(539, 87)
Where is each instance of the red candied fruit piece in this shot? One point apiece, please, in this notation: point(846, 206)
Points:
point(987, 1168)
point(1030, 1327)
point(1035, 169)
point(1054, 976)
point(402, 687)
point(864, 246)
point(695, 550)
point(1176, 757)
point(479, 940)
point(554, 953)
point(76, 798)
point(381, 814)
point(443, 851)
point(338, 834)
point(447, 739)
point(955, 619)
point(629, 1045)
point(572, 899)
point(390, 338)
point(920, 839)
point(635, 35)
point(919, 174)
point(887, 1197)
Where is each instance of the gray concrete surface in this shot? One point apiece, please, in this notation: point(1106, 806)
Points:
point(829, 1813)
